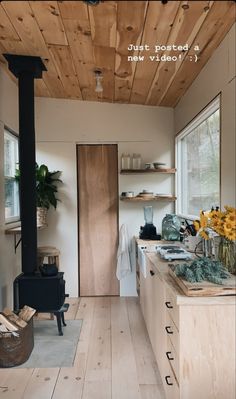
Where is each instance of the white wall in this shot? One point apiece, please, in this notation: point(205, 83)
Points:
point(217, 76)
point(60, 124)
point(9, 261)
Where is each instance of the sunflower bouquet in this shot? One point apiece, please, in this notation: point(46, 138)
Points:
point(222, 224)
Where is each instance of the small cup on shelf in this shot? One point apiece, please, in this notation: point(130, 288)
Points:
point(148, 165)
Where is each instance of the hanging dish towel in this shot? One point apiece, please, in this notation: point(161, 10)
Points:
point(123, 258)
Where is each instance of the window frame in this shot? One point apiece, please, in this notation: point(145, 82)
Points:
point(204, 114)
point(11, 219)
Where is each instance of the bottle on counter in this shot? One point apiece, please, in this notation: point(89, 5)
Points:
point(136, 161)
point(171, 228)
point(125, 161)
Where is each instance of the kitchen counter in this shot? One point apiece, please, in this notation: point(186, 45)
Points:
point(161, 268)
point(193, 338)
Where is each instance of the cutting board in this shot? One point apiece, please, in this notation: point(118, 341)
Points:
point(205, 288)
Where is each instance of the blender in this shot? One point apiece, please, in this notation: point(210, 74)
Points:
point(148, 231)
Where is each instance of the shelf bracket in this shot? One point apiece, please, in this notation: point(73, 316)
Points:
point(16, 243)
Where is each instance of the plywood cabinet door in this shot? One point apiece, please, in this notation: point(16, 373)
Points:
point(159, 323)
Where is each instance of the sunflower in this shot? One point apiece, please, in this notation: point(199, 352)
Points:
point(229, 209)
point(231, 217)
point(229, 226)
point(204, 234)
point(196, 224)
point(231, 235)
point(203, 220)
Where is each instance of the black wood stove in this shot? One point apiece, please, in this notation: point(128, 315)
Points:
point(45, 294)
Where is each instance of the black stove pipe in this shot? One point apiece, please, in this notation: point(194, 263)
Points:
point(26, 69)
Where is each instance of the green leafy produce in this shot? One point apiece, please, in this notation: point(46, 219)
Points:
point(202, 269)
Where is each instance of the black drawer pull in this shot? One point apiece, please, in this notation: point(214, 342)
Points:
point(168, 305)
point(167, 380)
point(168, 356)
point(168, 330)
point(152, 273)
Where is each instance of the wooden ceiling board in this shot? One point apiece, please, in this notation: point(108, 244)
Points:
point(7, 31)
point(73, 10)
point(185, 28)
point(74, 39)
point(105, 61)
point(41, 89)
point(157, 27)
point(103, 24)
point(103, 30)
point(66, 70)
point(218, 22)
point(52, 80)
point(24, 22)
point(48, 17)
point(79, 38)
point(130, 22)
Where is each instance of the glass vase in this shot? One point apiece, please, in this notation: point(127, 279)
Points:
point(171, 228)
point(227, 254)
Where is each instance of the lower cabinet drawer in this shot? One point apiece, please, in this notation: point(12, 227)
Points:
point(172, 358)
point(172, 333)
point(170, 385)
point(171, 307)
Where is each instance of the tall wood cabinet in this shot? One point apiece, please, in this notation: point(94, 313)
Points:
point(193, 338)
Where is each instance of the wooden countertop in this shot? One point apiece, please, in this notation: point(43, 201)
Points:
point(161, 267)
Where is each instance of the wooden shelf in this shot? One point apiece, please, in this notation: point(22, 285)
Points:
point(17, 230)
point(140, 171)
point(156, 198)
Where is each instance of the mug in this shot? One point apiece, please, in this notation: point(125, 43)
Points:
point(130, 194)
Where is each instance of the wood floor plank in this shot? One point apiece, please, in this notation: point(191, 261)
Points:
point(73, 308)
point(41, 384)
point(152, 392)
point(124, 373)
point(13, 382)
point(114, 359)
point(97, 390)
point(147, 370)
point(85, 312)
point(99, 355)
point(69, 384)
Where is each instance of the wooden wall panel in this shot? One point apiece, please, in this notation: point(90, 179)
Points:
point(98, 219)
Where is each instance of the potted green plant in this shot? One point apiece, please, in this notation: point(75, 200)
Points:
point(46, 189)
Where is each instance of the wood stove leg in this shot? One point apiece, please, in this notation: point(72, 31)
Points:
point(63, 319)
point(58, 316)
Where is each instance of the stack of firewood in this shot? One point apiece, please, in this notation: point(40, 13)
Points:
point(10, 322)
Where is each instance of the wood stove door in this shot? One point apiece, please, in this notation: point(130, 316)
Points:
point(97, 219)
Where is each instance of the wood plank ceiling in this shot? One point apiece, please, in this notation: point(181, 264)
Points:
point(74, 39)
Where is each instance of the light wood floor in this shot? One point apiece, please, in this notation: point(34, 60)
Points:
point(114, 358)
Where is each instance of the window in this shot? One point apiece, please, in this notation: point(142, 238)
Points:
point(198, 163)
point(12, 212)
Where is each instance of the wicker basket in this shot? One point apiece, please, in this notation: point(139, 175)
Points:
point(16, 350)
